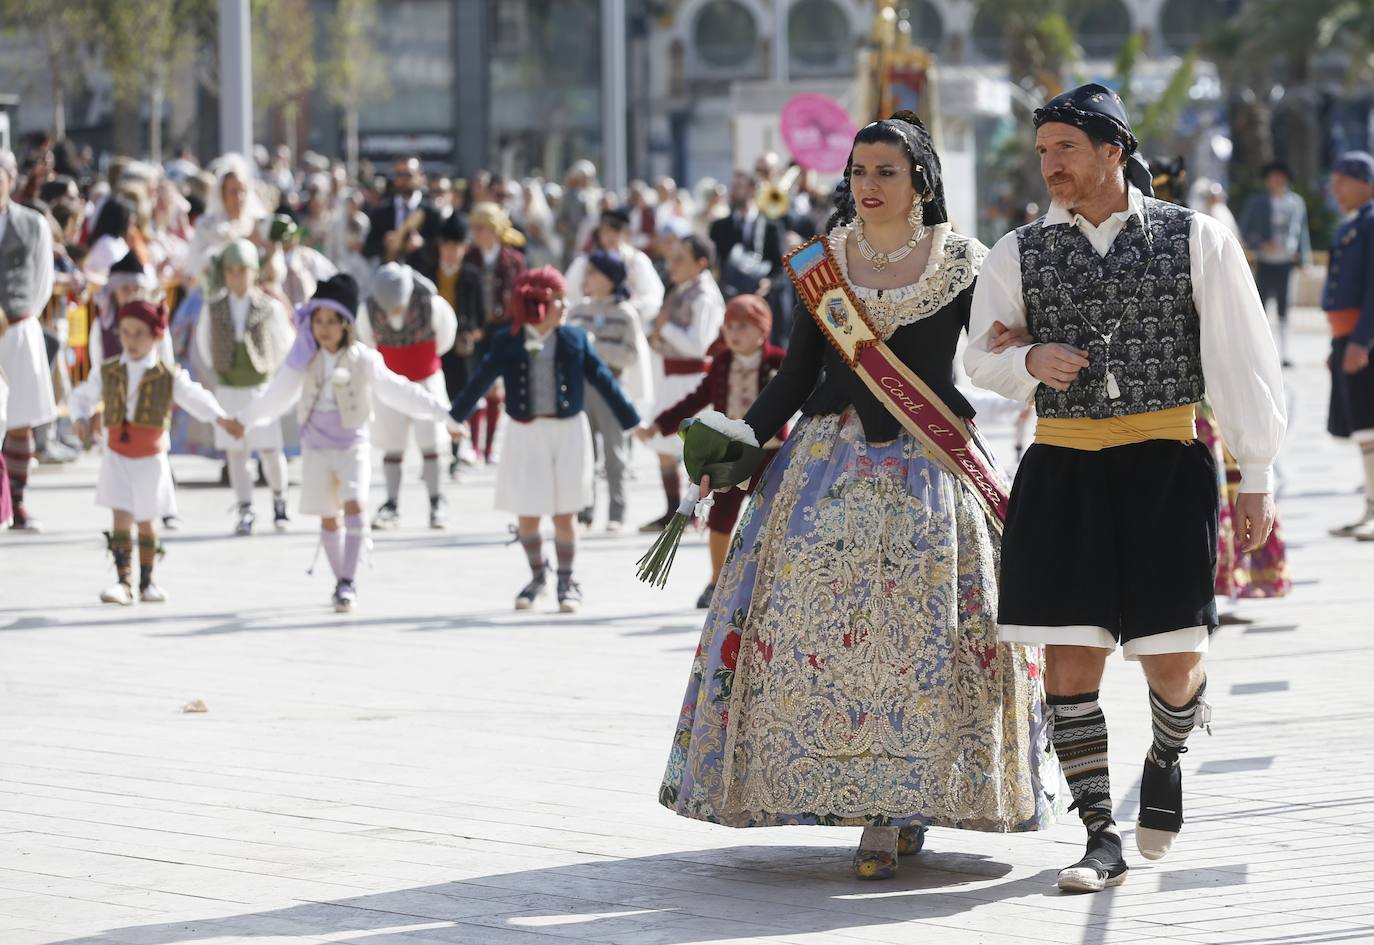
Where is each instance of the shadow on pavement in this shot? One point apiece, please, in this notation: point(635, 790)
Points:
point(736, 893)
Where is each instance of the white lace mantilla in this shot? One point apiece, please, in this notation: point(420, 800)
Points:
point(954, 264)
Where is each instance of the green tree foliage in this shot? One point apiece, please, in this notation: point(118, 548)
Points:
point(59, 30)
point(284, 67)
point(355, 70)
point(1265, 56)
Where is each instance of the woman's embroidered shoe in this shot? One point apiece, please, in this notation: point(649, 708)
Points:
point(911, 840)
point(875, 864)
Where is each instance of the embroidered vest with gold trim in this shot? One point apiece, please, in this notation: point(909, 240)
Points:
point(141, 436)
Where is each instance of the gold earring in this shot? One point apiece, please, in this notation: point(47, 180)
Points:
point(916, 215)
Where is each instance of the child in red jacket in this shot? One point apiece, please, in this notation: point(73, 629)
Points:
point(730, 387)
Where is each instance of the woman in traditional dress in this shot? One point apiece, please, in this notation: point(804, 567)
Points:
point(234, 212)
point(849, 673)
point(1240, 574)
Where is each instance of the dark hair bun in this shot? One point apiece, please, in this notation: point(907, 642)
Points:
point(910, 117)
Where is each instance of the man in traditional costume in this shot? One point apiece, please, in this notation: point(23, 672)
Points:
point(26, 277)
point(1136, 308)
point(1349, 303)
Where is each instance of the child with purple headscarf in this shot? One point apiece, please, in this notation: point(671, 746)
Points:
point(332, 379)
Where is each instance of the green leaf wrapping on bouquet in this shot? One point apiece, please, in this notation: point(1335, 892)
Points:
point(708, 452)
point(705, 452)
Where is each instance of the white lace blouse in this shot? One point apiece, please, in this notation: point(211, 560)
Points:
point(952, 268)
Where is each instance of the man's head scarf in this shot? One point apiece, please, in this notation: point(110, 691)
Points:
point(1101, 115)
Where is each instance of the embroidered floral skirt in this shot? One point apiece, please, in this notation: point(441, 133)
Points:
point(1259, 573)
point(849, 672)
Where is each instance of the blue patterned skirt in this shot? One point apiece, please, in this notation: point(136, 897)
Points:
point(849, 672)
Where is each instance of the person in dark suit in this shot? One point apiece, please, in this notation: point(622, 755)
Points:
point(419, 248)
point(748, 244)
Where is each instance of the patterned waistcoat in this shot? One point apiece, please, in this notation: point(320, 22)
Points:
point(154, 405)
point(680, 303)
point(257, 333)
point(1155, 352)
point(417, 327)
point(20, 252)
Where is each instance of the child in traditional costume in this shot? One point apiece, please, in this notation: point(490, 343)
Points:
point(736, 377)
point(138, 388)
point(410, 326)
point(547, 467)
point(243, 336)
point(495, 254)
point(333, 380)
point(681, 338)
point(129, 279)
point(613, 324)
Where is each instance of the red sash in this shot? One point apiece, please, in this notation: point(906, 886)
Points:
point(841, 317)
point(674, 366)
point(135, 441)
point(413, 362)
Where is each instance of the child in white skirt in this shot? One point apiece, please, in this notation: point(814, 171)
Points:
point(546, 468)
point(138, 388)
point(243, 335)
point(411, 327)
point(333, 380)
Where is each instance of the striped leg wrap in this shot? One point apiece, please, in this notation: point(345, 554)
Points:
point(1080, 741)
point(18, 453)
point(149, 550)
point(1173, 724)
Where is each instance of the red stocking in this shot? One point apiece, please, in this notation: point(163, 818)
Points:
point(494, 404)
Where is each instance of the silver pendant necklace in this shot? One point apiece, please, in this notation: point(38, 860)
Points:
point(880, 260)
point(1109, 380)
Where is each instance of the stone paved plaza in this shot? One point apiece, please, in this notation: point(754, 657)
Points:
point(439, 769)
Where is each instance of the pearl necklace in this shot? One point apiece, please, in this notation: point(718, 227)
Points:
point(880, 260)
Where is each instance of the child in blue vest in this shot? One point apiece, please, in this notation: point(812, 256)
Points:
point(546, 468)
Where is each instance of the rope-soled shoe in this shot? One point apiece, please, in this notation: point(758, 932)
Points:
point(1102, 865)
point(1161, 806)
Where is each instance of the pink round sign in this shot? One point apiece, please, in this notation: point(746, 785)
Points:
point(818, 131)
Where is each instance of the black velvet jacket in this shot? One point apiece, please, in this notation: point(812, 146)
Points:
point(812, 377)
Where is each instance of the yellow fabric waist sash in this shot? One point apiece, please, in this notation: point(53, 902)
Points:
point(1176, 423)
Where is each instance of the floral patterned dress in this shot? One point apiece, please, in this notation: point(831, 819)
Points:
point(849, 672)
point(1259, 573)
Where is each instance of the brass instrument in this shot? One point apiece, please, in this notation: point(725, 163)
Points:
point(395, 241)
point(776, 199)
